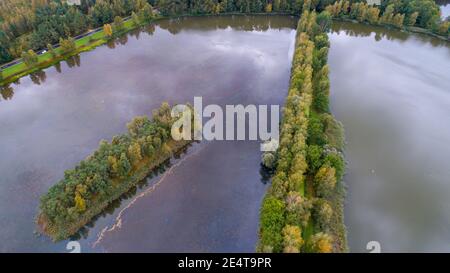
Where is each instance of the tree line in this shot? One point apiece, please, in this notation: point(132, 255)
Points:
point(397, 13)
point(106, 174)
point(302, 211)
point(35, 24)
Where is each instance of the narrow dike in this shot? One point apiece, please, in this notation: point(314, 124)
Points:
point(112, 170)
point(303, 208)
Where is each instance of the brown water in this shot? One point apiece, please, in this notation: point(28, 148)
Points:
point(391, 90)
point(209, 200)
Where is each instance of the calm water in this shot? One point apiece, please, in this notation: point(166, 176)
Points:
point(445, 8)
point(207, 201)
point(391, 90)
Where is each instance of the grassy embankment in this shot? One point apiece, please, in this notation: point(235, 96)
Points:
point(303, 209)
point(83, 44)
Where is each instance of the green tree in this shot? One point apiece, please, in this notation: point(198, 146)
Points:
point(124, 165)
point(268, 160)
point(322, 213)
point(52, 51)
point(118, 24)
point(67, 45)
point(146, 13)
point(113, 166)
point(272, 223)
point(324, 20)
point(135, 19)
point(314, 157)
point(30, 58)
point(429, 12)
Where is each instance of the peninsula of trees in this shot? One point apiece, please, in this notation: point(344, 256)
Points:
point(303, 209)
point(112, 170)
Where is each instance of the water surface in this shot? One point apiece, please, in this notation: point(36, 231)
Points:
point(391, 90)
point(208, 202)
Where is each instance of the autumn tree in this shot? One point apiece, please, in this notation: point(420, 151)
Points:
point(298, 209)
point(398, 20)
point(80, 202)
point(134, 153)
point(325, 181)
point(107, 29)
point(322, 213)
point(444, 28)
point(292, 239)
point(320, 243)
point(373, 15)
point(67, 45)
point(412, 19)
point(30, 58)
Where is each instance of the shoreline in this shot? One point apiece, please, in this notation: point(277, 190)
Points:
point(61, 233)
point(92, 43)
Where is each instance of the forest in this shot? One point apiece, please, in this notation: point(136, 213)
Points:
point(302, 211)
point(33, 25)
point(108, 173)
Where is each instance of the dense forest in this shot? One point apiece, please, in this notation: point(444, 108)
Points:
point(108, 173)
point(36, 24)
point(302, 211)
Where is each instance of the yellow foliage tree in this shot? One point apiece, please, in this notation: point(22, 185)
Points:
point(107, 29)
point(292, 239)
point(320, 243)
point(80, 203)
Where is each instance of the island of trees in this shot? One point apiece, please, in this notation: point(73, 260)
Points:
point(112, 170)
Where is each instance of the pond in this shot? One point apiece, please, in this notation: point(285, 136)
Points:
point(391, 90)
point(210, 198)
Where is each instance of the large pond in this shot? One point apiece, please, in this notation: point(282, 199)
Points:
point(209, 199)
point(391, 90)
